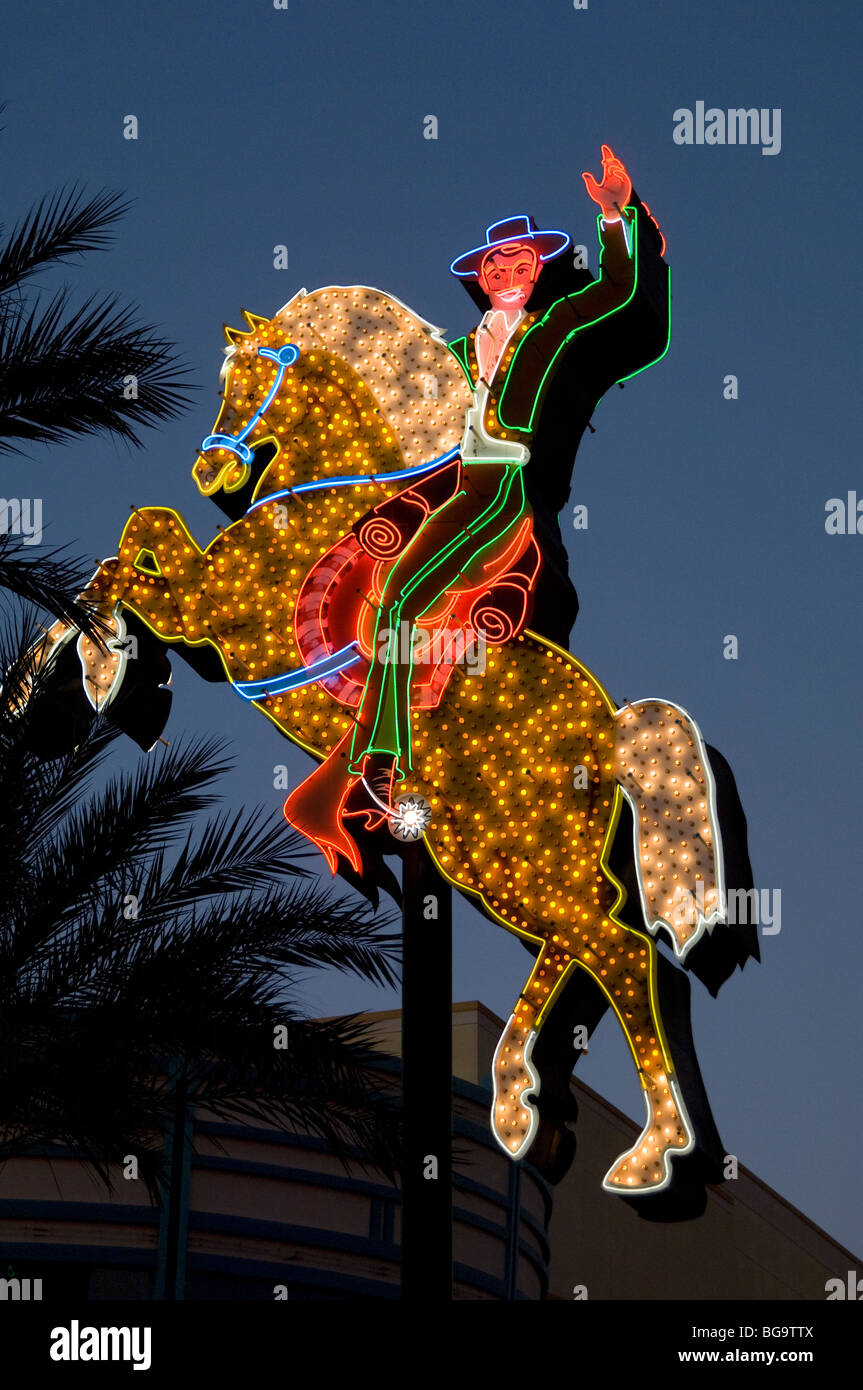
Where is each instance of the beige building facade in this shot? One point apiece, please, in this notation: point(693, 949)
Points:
point(267, 1214)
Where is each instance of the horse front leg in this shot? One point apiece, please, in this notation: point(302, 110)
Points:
point(91, 660)
point(121, 667)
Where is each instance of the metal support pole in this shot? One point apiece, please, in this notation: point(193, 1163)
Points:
point(174, 1213)
point(513, 1231)
point(427, 1080)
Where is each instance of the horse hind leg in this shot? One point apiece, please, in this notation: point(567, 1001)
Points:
point(627, 974)
point(664, 772)
point(623, 963)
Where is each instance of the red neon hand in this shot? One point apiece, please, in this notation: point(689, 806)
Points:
point(614, 192)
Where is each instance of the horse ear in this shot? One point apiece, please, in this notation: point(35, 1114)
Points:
point(233, 335)
point(254, 321)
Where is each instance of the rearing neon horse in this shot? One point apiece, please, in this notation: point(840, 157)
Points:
point(523, 767)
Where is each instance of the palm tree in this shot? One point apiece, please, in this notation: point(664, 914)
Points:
point(67, 372)
point(91, 370)
point(136, 950)
point(47, 579)
point(139, 959)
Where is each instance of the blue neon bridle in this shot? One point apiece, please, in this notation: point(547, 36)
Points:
point(284, 357)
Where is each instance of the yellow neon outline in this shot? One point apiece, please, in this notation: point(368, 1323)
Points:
point(216, 485)
point(243, 479)
point(139, 566)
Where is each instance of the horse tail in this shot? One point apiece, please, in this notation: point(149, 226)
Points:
point(664, 771)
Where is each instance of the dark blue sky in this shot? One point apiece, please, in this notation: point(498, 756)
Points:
point(305, 127)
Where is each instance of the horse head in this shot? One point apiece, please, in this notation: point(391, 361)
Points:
point(345, 381)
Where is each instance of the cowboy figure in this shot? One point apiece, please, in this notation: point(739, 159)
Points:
point(510, 361)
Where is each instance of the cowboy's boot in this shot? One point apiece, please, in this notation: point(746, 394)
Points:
point(371, 796)
point(316, 807)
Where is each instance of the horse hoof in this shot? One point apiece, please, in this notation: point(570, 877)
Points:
point(646, 1167)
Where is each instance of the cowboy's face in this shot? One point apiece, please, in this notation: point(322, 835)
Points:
point(509, 274)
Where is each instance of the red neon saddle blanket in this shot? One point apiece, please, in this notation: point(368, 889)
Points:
point(338, 602)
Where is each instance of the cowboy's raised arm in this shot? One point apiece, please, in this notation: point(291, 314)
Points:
point(632, 276)
point(618, 262)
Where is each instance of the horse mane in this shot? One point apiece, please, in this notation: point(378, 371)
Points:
point(400, 357)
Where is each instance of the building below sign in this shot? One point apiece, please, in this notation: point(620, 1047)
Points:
point(275, 1216)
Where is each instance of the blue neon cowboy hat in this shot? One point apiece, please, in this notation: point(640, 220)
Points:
point(521, 228)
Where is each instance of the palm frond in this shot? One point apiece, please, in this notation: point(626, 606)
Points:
point(62, 372)
point(133, 816)
point(52, 580)
point(58, 227)
point(320, 1085)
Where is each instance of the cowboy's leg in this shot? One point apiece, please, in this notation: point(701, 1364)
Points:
point(377, 709)
point(491, 503)
point(321, 806)
point(377, 725)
